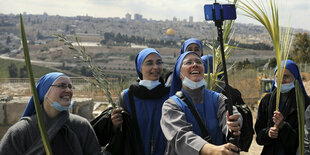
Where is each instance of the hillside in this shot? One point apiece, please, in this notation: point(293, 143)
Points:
point(38, 71)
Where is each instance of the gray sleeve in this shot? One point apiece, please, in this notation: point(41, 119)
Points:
point(16, 139)
point(179, 133)
point(307, 132)
point(221, 114)
point(86, 136)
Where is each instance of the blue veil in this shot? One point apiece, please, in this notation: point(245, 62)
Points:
point(43, 86)
point(176, 82)
point(293, 68)
point(191, 41)
point(140, 58)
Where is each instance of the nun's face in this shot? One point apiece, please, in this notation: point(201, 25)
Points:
point(194, 48)
point(61, 91)
point(192, 67)
point(288, 77)
point(152, 67)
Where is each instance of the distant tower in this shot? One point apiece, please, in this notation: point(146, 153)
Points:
point(137, 17)
point(174, 19)
point(128, 17)
point(191, 19)
point(45, 14)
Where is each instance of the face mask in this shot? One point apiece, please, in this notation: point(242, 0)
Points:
point(193, 85)
point(149, 84)
point(286, 87)
point(59, 107)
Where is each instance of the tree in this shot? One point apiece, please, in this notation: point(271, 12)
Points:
point(8, 40)
point(12, 70)
point(301, 48)
point(272, 63)
point(132, 57)
point(39, 35)
point(23, 72)
point(67, 29)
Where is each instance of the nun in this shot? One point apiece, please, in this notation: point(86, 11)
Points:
point(277, 131)
point(68, 133)
point(181, 128)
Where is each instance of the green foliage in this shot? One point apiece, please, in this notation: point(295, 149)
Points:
point(39, 112)
point(123, 40)
point(8, 40)
point(101, 81)
point(38, 71)
point(267, 13)
point(243, 64)
point(273, 63)
point(23, 72)
point(301, 48)
point(12, 70)
point(300, 101)
point(215, 80)
point(132, 57)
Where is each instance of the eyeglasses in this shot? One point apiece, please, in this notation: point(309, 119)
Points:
point(63, 86)
point(191, 62)
point(151, 63)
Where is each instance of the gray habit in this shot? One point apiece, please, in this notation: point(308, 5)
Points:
point(68, 134)
point(179, 133)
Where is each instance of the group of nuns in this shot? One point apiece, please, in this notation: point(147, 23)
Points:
point(152, 119)
point(164, 122)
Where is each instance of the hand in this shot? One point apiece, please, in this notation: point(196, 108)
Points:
point(278, 119)
point(273, 132)
point(116, 118)
point(233, 124)
point(225, 149)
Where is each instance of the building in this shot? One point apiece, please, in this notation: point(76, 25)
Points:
point(170, 35)
point(174, 19)
point(138, 17)
point(191, 19)
point(128, 17)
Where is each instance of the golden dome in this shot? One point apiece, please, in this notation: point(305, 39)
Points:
point(170, 31)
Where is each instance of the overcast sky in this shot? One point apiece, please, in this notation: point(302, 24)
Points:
point(297, 11)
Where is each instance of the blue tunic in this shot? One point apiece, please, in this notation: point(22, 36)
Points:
point(148, 113)
point(208, 113)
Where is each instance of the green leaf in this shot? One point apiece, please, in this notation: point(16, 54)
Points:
point(267, 14)
point(300, 101)
point(39, 114)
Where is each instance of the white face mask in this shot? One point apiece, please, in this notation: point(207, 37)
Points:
point(286, 87)
point(194, 85)
point(59, 107)
point(149, 84)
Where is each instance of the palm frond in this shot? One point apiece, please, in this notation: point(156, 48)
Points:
point(267, 13)
point(300, 101)
point(39, 112)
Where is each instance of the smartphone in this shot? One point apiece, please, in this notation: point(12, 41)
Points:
point(220, 12)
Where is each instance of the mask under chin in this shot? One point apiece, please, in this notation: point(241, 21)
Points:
point(193, 85)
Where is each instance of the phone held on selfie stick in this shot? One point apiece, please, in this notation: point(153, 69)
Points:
point(219, 12)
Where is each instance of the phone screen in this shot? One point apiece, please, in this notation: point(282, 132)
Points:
point(229, 11)
point(213, 12)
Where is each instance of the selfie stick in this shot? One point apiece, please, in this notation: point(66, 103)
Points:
point(218, 23)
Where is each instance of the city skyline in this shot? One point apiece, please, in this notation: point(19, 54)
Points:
point(151, 9)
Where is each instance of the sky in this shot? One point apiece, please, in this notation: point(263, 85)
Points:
point(292, 12)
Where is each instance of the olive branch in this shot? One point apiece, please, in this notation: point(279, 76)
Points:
point(101, 80)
